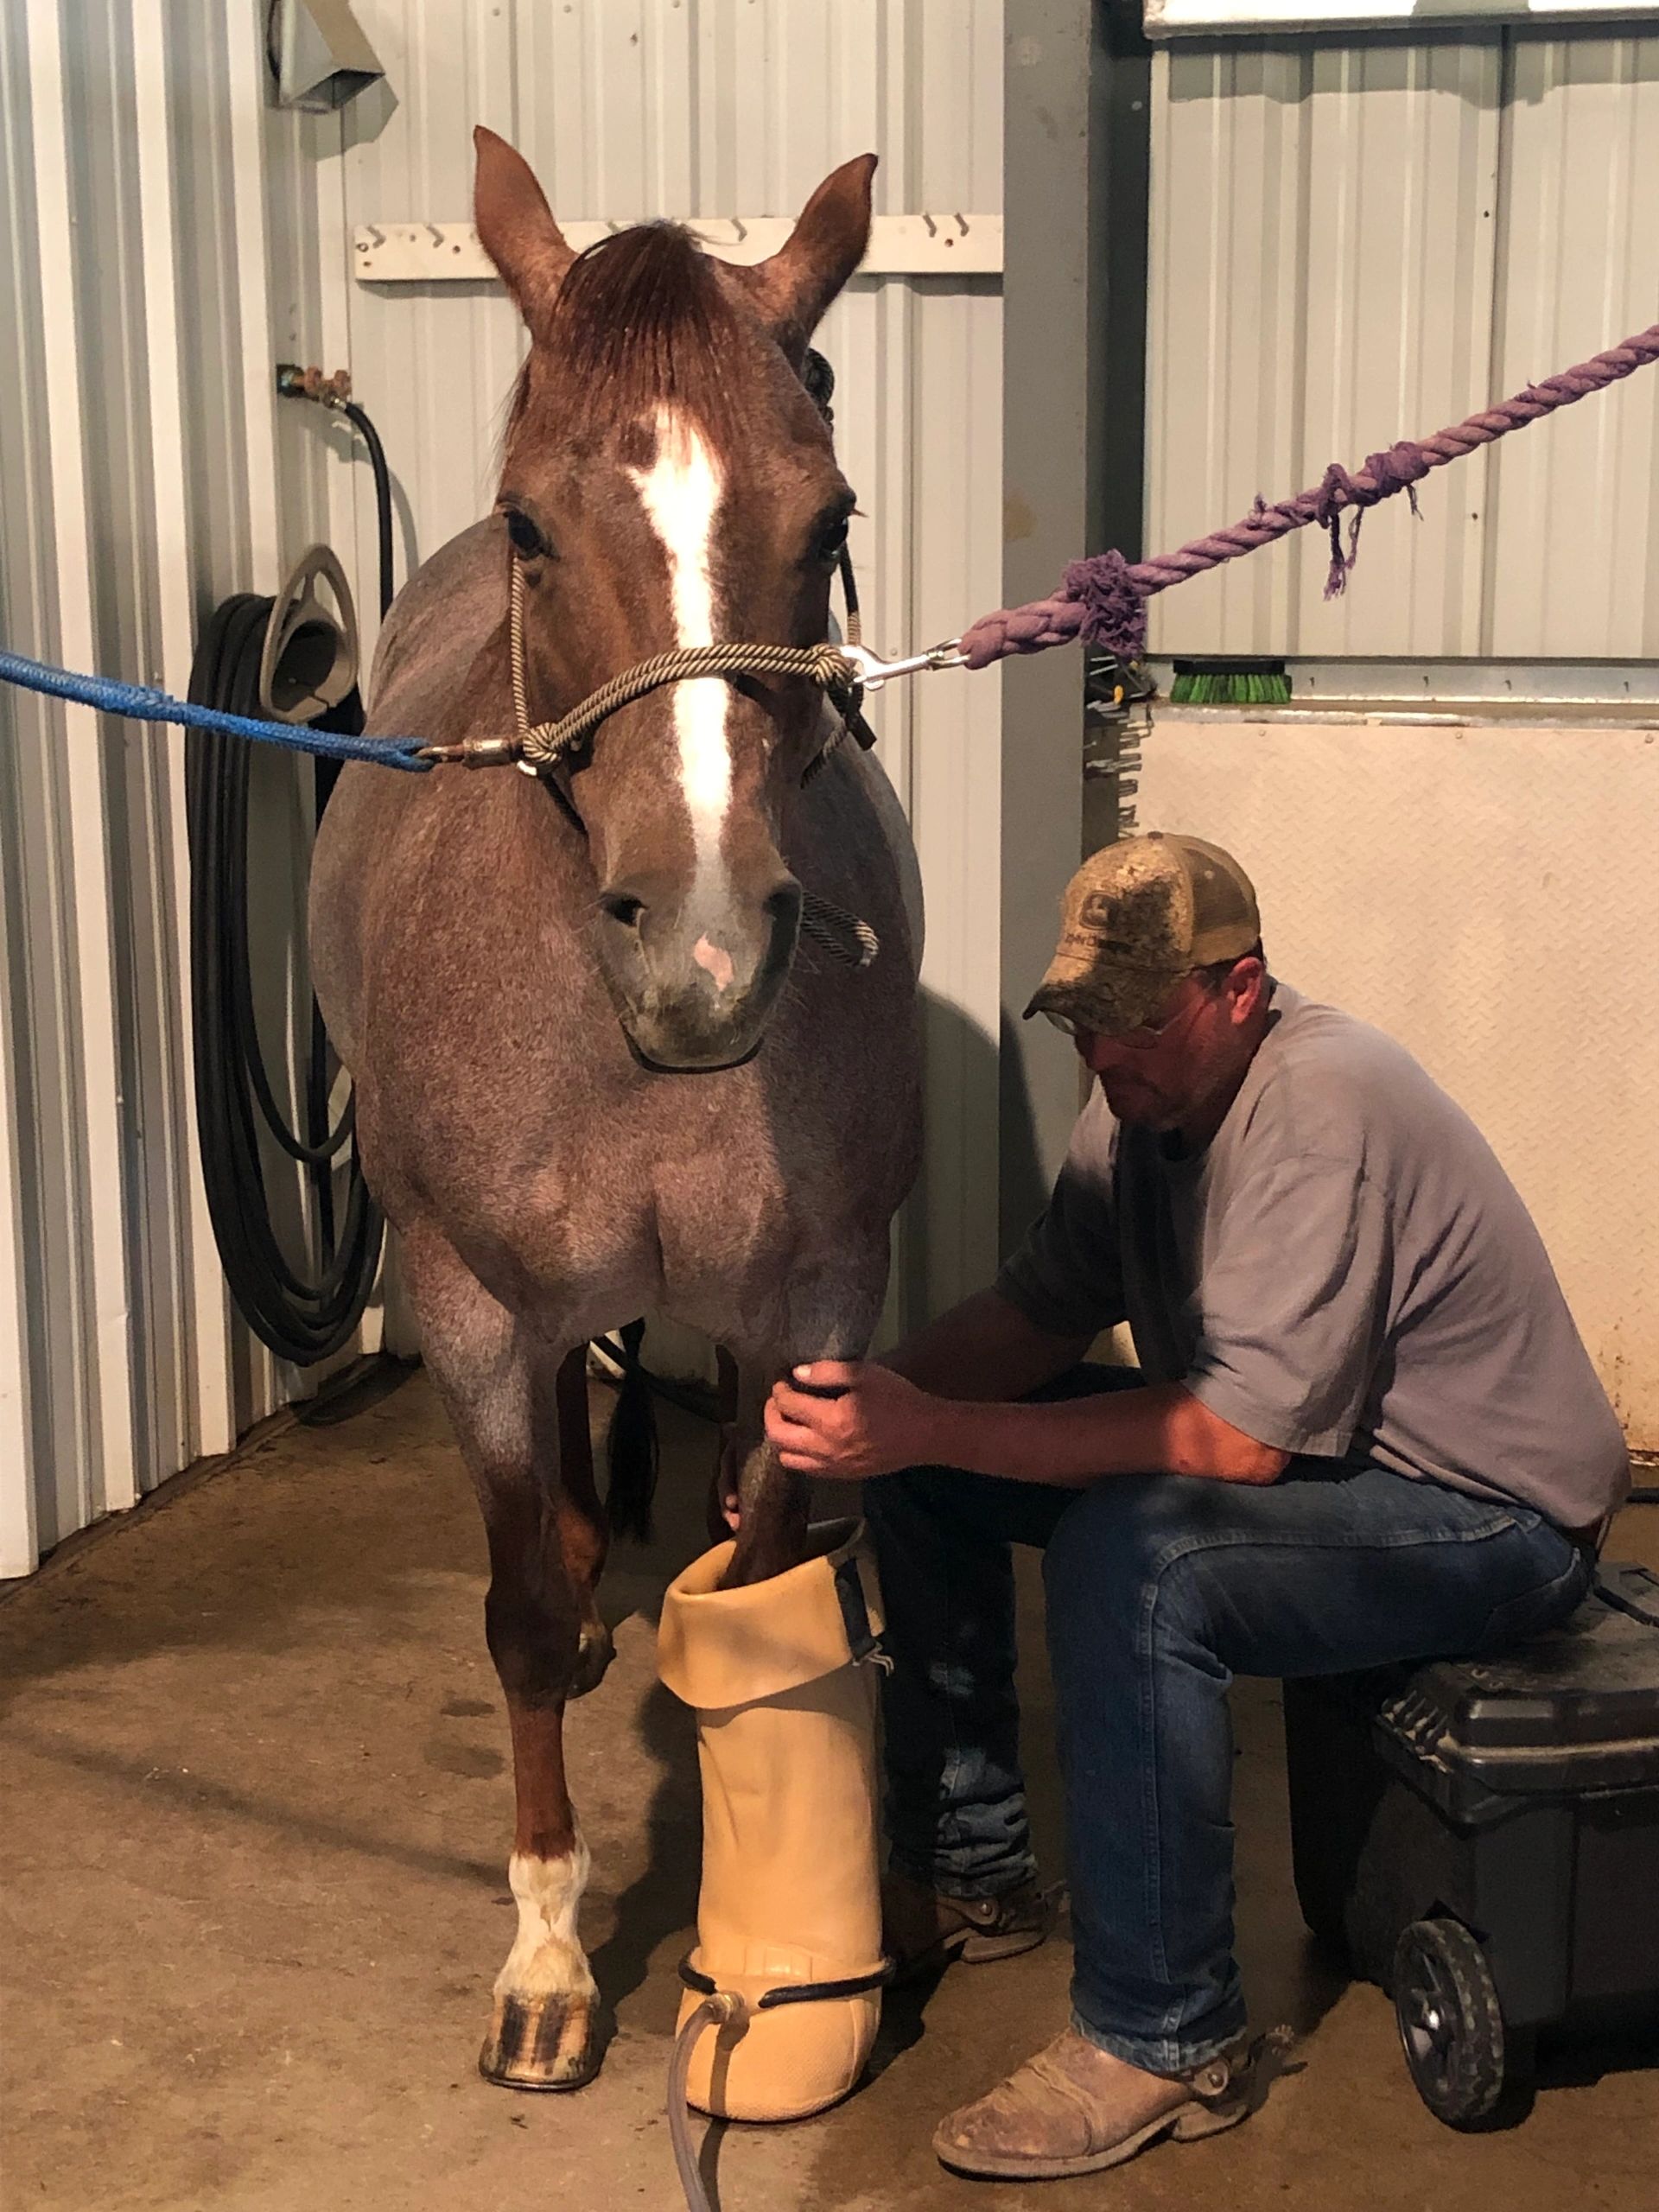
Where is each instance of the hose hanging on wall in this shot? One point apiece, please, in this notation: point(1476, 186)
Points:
point(251, 664)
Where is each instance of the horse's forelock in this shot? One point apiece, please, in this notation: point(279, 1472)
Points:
point(641, 321)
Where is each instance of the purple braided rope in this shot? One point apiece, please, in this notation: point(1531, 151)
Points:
point(1104, 600)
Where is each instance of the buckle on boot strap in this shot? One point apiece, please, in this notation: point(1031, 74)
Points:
point(862, 1642)
point(794, 1992)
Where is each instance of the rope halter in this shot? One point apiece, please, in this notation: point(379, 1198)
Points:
point(541, 746)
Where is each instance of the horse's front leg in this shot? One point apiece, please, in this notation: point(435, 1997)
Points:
point(505, 1388)
point(831, 1315)
point(772, 1502)
point(543, 2030)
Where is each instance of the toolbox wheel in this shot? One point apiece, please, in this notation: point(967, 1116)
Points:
point(1450, 2024)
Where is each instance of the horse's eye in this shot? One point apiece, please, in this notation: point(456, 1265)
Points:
point(832, 544)
point(527, 539)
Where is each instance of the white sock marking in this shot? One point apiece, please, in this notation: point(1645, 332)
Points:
point(681, 491)
point(547, 1958)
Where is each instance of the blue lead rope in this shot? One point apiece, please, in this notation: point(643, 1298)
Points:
point(141, 704)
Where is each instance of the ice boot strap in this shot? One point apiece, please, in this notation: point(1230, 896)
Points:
point(792, 1992)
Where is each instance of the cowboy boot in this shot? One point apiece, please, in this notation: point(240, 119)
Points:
point(1076, 2109)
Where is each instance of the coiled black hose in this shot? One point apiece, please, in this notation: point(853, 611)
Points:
point(303, 1310)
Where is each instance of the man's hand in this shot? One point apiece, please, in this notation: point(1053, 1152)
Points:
point(875, 1424)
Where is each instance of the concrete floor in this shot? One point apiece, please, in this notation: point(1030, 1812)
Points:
point(257, 1811)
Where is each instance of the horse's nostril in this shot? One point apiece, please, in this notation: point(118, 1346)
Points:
point(622, 907)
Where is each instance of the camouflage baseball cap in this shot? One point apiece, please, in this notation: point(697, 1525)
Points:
point(1137, 917)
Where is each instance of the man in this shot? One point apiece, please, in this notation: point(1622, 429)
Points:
point(1364, 1429)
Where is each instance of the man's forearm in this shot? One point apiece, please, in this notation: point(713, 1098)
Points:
point(1161, 1429)
point(984, 1348)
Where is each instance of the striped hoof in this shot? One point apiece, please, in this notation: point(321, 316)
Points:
point(541, 2043)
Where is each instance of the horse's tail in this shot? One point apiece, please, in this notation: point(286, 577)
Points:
point(631, 1452)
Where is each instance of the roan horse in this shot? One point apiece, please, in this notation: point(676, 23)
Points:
point(597, 1072)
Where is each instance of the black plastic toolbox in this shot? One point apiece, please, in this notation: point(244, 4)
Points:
point(1482, 1839)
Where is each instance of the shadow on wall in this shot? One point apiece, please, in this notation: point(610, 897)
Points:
point(983, 1178)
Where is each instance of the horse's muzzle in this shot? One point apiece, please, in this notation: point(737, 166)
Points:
point(695, 985)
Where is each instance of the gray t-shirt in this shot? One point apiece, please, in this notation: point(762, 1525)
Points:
point(1345, 1271)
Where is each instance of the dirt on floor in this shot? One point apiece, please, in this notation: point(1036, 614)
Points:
point(257, 1810)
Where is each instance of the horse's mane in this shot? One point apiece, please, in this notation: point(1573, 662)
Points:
point(641, 319)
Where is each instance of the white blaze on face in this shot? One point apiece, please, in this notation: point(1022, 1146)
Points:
point(681, 491)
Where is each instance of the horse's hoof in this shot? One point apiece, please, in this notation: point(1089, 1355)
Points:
point(593, 1655)
point(541, 2043)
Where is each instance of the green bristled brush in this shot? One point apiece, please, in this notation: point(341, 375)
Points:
point(1230, 682)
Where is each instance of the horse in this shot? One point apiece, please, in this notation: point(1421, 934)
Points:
point(599, 1072)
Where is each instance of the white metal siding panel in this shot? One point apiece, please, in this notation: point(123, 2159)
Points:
point(1409, 875)
point(19, 1517)
point(109, 287)
point(1224, 322)
point(1401, 179)
point(27, 1379)
point(139, 490)
point(1357, 243)
point(82, 932)
point(203, 1321)
point(1575, 551)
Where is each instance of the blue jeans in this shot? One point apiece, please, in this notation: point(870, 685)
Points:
point(1159, 1589)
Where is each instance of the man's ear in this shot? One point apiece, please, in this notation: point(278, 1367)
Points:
point(516, 228)
point(793, 289)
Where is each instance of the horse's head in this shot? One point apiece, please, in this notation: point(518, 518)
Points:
point(667, 482)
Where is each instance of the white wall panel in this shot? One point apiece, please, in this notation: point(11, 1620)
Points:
point(1225, 286)
point(1574, 566)
point(1361, 241)
point(19, 1512)
point(60, 880)
point(1488, 896)
point(137, 444)
point(1402, 174)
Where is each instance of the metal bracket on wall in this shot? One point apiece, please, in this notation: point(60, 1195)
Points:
point(951, 245)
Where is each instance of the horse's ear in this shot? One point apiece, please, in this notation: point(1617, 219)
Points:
point(516, 227)
point(796, 284)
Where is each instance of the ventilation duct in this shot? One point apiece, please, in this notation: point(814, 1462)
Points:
point(319, 54)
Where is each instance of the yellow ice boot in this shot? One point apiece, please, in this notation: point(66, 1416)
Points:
point(789, 1918)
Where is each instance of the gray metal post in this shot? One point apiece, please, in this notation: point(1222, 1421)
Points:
point(1054, 148)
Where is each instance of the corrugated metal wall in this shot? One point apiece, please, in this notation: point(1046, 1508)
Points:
point(1361, 240)
point(137, 456)
point(168, 238)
